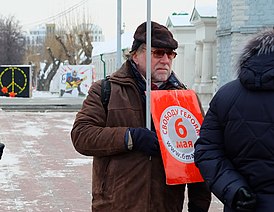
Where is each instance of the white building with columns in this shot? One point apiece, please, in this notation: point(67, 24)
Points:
point(205, 23)
point(195, 64)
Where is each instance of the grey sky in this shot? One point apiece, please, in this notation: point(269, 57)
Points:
point(100, 12)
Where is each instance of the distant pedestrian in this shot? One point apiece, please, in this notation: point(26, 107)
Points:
point(235, 151)
point(2, 146)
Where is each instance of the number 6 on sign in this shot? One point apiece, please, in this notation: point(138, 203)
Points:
point(180, 128)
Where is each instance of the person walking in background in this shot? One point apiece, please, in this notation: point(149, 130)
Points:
point(128, 172)
point(2, 146)
point(235, 151)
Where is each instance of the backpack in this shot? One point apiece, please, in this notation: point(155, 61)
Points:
point(105, 92)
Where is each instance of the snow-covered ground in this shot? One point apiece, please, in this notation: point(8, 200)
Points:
point(37, 94)
point(40, 169)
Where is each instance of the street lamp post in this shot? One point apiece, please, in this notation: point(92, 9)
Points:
point(119, 33)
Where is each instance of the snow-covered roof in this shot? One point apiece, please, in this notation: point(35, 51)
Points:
point(201, 12)
point(177, 20)
point(207, 11)
point(111, 45)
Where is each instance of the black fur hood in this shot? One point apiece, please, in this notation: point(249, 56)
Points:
point(256, 64)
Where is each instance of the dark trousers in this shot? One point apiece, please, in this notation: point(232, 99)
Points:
point(199, 197)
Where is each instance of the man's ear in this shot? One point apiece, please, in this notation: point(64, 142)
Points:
point(135, 58)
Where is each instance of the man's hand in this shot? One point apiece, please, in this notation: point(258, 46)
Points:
point(143, 140)
point(244, 200)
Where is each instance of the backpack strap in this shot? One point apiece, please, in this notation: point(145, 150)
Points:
point(105, 92)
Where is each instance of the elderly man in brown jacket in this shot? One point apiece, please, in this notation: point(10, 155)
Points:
point(128, 172)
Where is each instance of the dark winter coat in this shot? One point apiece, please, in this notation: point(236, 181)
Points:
point(122, 180)
point(236, 144)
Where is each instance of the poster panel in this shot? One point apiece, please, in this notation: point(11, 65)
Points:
point(15, 81)
point(75, 80)
point(177, 118)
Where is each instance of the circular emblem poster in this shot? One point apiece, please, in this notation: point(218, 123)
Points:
point(177, 118)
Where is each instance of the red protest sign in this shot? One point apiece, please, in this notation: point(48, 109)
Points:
point(177, 118)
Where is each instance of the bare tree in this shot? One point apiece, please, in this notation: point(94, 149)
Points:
point(77, 47)
point(74, 48)
point(54, 56)
point(49, 71)
point(86, 48)
point(69, 54)
point(12, 42)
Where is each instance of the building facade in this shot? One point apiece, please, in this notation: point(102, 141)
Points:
point(237, 21)
point(36, 36)
point(204, 20)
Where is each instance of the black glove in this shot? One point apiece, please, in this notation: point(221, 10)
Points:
point(143, 140)
point(244, 200)
point(1, 149)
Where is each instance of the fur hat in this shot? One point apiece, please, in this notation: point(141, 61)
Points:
point(161, 37)
point(261, 44)
point(255, 66)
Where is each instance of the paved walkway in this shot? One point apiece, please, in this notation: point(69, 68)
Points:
point(40, 170)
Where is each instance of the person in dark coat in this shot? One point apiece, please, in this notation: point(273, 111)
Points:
point(128, 172)
point(235, 151)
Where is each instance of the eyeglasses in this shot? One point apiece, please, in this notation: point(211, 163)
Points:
point(159, 53)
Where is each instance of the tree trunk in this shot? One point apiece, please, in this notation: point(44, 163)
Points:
point(44, 81)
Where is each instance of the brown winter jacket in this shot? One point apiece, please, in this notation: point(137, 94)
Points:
point(122, 180)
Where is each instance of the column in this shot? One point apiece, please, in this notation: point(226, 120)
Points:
point(207, 62)
point(198, 62)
